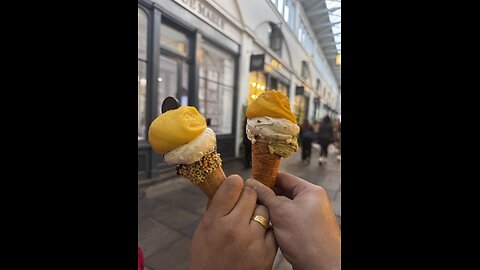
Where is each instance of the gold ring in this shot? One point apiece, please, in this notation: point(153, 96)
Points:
point(262, 220)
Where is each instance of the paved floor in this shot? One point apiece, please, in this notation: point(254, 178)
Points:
point(169, 212)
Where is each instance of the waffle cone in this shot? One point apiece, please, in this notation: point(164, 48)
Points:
point(207, 173)
point(212, 182)
point(264, 164)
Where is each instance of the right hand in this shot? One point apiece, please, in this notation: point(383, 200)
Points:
point(227, 238)
point(304, 222)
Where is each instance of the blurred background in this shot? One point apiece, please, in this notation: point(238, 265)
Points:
point(219, 56)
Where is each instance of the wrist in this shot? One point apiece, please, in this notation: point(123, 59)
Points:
point(313, 257)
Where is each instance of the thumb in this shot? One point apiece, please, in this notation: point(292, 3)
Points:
point(264, 194)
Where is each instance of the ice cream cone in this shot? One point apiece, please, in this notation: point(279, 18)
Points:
point(207, 173)
point(212, 182)
point(181, 135)
point(264, 164)
point(272, 128)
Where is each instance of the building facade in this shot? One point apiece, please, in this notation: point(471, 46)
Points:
point(219, 55)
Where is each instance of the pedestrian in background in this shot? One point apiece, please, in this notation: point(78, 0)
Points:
point(306, 138)
point(325, 138)
point(338, 138)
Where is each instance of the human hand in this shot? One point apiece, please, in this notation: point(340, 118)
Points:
point(227, 238)
point(304, 222)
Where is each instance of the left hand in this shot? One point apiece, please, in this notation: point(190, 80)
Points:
point(227, 238)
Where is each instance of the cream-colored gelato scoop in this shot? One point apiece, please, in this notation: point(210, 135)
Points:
point(269, 128)
point(194, 150)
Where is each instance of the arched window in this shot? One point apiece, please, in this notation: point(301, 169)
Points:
point(276, 38)
point(317, 88)
point(305, 72)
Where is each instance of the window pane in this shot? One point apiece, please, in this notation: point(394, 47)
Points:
point(310, 44)
point(184, 91)
point(305, 36)
point(142, 94)
point(257, 85)
point(142, 34)
point(299, 105)
point(291, 21)
point(215, 93)
point(216, 65)
point(283, 88)
point(167, 80)
point(286, 13)
point(316, 109)
point(280, 6)
point(174, 40)
point(300, 33)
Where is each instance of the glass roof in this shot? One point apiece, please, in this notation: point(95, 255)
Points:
point(334, 15)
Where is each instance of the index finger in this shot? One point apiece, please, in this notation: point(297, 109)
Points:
point(226, 196)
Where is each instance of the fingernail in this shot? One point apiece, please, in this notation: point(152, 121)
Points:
point(252, 183)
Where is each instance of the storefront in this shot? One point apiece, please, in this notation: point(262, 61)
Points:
point(317, 109)
point(329, 105)
point(301, 104)
point(303, 95)
point(185, 55)
point(330, 111)
point(266, 73)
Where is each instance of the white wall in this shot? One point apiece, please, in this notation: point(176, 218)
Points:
point(243, 87)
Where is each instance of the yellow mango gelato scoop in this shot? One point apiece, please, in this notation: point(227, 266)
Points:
point(273, 104)
point(175, 128)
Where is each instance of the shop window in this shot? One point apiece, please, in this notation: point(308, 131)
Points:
point(257, 85)
point(299, 105)
point(142, 34)
point(276, 84)
point(172, 80)
point(283, 88)
point(142, 72)
point(216, 86)
point(316, 109)
point(273, 83)
point(174, 40)
point(174, 65)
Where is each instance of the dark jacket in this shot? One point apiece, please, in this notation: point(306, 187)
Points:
point(325, 134)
